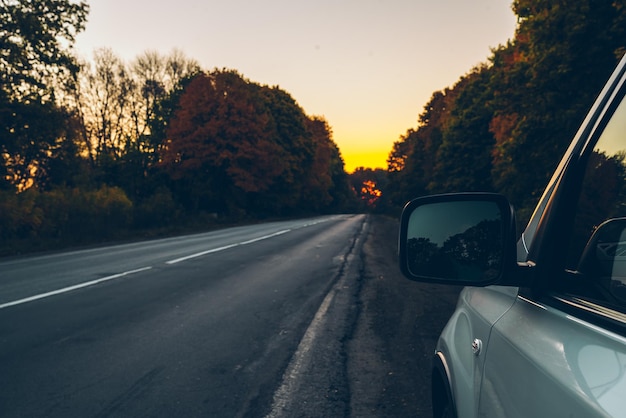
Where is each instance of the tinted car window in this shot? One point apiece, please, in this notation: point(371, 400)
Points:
point(597, 249)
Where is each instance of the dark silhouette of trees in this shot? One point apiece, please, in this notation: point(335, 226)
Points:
point(504, 126)
point(369, 186)
point(327, 184)
point(34, 57)
point(159, 139)
point(92, 150)
point(475, 252)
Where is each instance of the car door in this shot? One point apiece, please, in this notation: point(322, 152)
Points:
point(464, 337)
point(560, 350)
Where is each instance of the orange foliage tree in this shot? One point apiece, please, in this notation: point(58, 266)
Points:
point(234, 147)
point(218, 145)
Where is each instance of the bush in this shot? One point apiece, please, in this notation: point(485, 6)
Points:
point(21, 217)
point(157, 210)
point(97, 214)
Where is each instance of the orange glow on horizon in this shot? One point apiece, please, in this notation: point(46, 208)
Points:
point(367, 159)
point(362, 147)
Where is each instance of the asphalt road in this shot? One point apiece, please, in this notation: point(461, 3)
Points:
point(298, 318)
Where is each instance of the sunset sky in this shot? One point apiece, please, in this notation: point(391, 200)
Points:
point(367, 66)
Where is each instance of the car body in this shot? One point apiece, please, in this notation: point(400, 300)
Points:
point(540, 329)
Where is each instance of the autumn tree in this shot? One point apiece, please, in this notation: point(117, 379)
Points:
point(117, 105)
point(327, 185)
point(218, 148)
point(397, 175)
point(369, 186)
point(236, 148)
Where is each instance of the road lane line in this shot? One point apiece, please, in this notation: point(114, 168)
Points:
point(292, 376)
point(215, 250)
point(71, 288)
point(302, 362)
point(275, 234)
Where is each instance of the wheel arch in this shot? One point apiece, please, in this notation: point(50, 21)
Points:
point(442, 396)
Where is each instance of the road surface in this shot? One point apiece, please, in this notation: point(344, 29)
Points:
point(272, 320)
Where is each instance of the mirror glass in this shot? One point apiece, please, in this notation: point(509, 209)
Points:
point(604, 258)
point(461, 240)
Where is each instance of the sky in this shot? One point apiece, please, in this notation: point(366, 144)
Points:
point(367, 66)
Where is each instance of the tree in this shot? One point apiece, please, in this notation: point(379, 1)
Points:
point(154, 76)
point(327, 183)
point(369, 186)
point(504, 126)
point(218, 147)
point(118, 106)
point(544, 83)
point(155, 79)
point(463, 160)
point(32, 38)
point(411, 165)
point(288, 129)
point(103, 97)
point(35, 42)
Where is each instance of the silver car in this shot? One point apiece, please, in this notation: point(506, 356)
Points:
point(540, 329)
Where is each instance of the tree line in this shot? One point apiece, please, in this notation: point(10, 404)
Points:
point(92, 150)
point(504, 125)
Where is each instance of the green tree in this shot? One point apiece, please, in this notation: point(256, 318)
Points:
point(411, 164)
point(33, 38)
point(544, 82)
point(35, 42)
point(463, 160)
point(288, 129)
point(504, 126)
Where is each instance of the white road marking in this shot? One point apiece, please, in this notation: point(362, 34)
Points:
point(71, 288)
point(300, 360)
point(126, 273)
point(214, 250)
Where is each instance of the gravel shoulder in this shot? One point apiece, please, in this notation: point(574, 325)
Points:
point(390, 351)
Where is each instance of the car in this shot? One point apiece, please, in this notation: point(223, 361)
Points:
point(539, 329)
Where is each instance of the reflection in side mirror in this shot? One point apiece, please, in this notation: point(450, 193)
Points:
point(604, 258)
point(456, 239)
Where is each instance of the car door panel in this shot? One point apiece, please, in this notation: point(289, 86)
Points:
point(544, 362)
point(478, 309)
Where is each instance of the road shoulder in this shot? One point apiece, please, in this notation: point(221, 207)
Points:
point(398, 323)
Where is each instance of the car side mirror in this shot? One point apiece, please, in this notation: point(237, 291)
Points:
point(464, 238)
point(604, 257)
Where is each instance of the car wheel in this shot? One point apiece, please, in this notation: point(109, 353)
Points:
point(448, 411)
point(442, 400)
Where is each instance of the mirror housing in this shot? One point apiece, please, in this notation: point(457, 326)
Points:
point(461, 239)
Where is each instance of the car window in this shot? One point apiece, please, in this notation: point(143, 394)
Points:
point(597, 250)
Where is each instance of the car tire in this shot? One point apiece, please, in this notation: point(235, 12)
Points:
point(442, 401)
point(447, 411)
